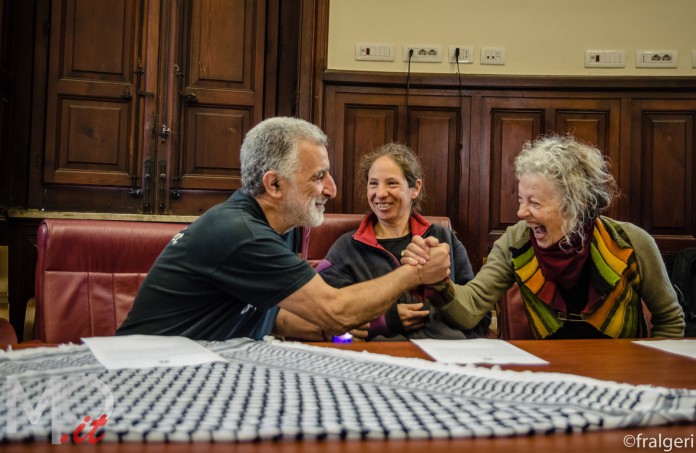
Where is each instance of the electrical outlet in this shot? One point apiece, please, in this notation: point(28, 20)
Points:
point(693, 58)
point(466, 54)
point(656, 58)
point(492, 55)
point(605, 58)
point(374, 52)
point(423, 53)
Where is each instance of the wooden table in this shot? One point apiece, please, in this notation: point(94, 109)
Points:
point(612, 360)
point(617, 360)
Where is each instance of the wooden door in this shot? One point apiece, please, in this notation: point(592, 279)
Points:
point(219, 97)
point(90, 158)
point(663, 165)
point(148, 102)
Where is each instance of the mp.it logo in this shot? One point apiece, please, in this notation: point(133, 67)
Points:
point(83, 428)
point(91, 435)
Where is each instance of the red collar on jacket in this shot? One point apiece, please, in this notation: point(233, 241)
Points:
point(366, 230)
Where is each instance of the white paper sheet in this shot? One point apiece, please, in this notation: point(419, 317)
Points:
point(147, 351)
point(682, 347)
point(479, 350)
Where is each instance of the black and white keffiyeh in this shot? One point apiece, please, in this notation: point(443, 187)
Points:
point(271, 391)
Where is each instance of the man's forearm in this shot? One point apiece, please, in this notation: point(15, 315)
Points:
point(290, 326)
point(365, 301)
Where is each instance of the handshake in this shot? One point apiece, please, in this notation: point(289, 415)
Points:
point(433, 261)
point(431, 257)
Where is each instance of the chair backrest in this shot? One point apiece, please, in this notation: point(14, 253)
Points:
point(317, 241)
point(88, 273)
point(511, 316)
point(513, 323)
point(7, 332)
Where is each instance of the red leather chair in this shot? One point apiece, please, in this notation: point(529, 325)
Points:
point(88, 273)
point(7, 332)
point(317, 241)
point(511, 316)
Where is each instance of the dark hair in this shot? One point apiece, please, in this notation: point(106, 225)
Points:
point(405, 159)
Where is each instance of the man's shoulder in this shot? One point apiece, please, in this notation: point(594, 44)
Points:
point(239, 208)
point(238, 201)
point(225, 226)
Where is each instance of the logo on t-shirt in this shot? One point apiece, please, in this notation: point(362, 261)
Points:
point(176, 238)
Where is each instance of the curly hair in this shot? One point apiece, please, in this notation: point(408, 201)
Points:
point(274, 144)
point(405, 158)
point(580, 174)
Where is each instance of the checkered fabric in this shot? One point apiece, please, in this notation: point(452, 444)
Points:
point(270, 391)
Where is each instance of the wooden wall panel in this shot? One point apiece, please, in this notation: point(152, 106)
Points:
point(489, 123)
point(90, 100)
point(94, 32)
point(510, 130)
point(665, 186)
point(90, 94)
point(7, 86)
point(434, 137)
point(93, 145)
point(667, 143)
point(146, 102)
point(366, 129)
point(211, 156)
point(220, 98)
point(225, 63)
point(590, 127)
point(5, 124)
point(432, 126)
point(219, 31)
point(594, 128)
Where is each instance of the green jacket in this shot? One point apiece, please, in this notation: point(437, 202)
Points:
point(478, 296)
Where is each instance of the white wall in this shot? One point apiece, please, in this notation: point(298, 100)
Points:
point(541, 37)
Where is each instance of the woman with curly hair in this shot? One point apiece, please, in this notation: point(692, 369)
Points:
point(581, 274)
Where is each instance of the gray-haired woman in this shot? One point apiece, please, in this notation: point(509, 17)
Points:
point(581, 274)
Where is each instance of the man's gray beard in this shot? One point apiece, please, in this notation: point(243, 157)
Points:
point(303, 214)
point(315, 216)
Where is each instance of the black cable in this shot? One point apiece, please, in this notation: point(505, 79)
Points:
point(458, 155)
point(408, 89)
point(461, 99)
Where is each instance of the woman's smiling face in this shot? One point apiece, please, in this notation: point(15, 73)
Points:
point(540, 207)
point(388, 193)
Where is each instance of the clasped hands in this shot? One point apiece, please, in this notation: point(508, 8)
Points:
point(432, 258)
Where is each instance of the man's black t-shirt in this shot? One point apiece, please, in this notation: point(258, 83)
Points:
point(221, 277)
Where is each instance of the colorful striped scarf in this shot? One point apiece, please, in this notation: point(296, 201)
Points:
point(613, 275)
